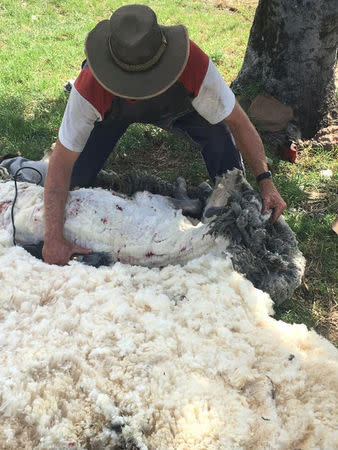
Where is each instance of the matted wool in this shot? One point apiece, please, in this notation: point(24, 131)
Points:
point(184, 357)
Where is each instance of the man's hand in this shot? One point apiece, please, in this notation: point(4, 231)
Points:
point(271, 199)
point(251, 147)
point(59, 251)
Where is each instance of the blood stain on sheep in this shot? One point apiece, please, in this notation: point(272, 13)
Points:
point(104, 220)
point(183, 249)
point(4, 205)
point(119, 207)
point(151, 254)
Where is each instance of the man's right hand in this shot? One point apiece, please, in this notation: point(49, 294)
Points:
point(59, 251)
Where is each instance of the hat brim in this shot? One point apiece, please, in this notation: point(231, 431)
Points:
point(137, 85)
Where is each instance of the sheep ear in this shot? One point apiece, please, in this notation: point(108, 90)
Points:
point(213, 211)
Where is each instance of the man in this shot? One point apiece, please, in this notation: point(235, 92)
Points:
point(139, 71)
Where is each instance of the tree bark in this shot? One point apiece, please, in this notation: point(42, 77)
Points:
point(291, 55)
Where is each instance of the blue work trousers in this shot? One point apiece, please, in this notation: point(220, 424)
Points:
point(171, 111)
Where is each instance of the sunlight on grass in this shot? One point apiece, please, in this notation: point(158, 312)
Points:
point(42, 46)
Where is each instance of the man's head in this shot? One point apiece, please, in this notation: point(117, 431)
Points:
point(134, 57)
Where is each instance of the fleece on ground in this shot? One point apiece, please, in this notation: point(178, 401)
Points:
point(183, 357)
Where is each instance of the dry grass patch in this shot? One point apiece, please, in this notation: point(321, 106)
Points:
point(246, 8)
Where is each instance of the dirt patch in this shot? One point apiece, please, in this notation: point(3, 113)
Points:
point(235, 5)
point(326, 138)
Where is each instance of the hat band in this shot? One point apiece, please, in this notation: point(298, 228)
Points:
point(139, 67)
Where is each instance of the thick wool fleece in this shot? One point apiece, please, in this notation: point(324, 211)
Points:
point(174, 358)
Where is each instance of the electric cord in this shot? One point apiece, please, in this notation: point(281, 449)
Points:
point(16, 195)
point(95, 259)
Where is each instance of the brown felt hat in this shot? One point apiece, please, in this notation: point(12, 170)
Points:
point(132, 56)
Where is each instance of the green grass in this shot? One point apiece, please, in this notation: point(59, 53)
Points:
point(313, 206)
point(41, 46)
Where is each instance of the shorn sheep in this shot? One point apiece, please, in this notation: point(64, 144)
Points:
point(168, 348)
point(148, 229)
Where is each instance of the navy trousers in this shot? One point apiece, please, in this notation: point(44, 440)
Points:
point(215, 142)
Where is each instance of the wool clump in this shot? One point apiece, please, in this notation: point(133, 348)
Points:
point(139, 357)
point(178, 354)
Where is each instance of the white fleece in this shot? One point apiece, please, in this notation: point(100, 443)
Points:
point(184, 357)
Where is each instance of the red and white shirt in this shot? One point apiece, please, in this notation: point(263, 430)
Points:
point(88, 101)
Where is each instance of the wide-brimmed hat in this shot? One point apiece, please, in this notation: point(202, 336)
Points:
point(132, 56)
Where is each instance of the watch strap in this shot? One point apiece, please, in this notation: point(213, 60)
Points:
point(263, 176)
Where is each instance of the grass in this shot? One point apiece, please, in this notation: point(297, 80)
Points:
point(41, 46)
point(313, 205)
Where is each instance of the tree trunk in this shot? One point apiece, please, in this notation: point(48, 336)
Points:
point(291, 55)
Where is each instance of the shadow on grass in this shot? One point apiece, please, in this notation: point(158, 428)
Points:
point(29, 128)
point(32, 127)
point(149, 148)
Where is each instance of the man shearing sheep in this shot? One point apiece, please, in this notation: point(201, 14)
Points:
point(139, 71)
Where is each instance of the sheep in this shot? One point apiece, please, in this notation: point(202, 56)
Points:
point(145, 221)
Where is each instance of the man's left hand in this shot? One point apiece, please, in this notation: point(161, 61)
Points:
point(271, 199)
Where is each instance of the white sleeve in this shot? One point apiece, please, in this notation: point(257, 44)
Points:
point(78, 122)
point(215, 100)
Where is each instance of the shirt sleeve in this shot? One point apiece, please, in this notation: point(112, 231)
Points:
point(78, 121)
point(215, 100)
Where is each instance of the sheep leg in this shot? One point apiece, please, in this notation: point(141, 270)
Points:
point(191, 207)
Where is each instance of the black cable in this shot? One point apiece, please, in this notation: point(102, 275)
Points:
point(95, 259)
point(16, 194)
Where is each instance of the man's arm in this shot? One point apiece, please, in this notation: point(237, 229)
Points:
point(251, 147)
point(57, 250)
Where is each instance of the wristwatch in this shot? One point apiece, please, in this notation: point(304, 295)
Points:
point(263, 176)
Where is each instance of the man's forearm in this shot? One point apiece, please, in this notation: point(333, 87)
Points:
point(56, 249)
point(56, 191)
point(249, 143)
point(251, 147)
point(55, 197)
point(54, 200)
